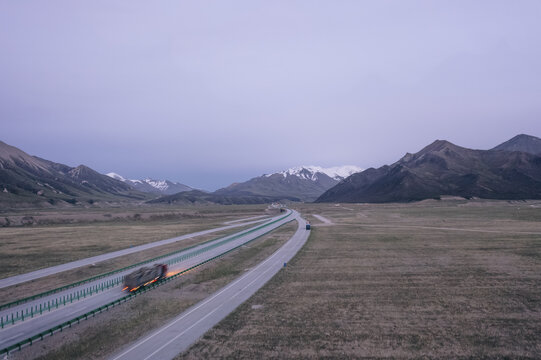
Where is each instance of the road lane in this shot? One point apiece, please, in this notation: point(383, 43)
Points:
point(188, 327)
point(245, 219)
point(17, 279)
point(31, 326)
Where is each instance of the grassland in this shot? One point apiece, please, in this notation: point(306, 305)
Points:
point(105, 334)
point(54, 237)
point(37, 286)
point(435, 279)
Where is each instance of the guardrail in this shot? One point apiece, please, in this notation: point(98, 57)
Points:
point(35, 310)
point(69, 323)
point(96, 277)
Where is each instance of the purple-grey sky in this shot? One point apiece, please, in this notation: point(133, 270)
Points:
point(212, 92)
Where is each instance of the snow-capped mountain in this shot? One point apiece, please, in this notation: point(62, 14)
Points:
point(306, 183)
point(164, 187)
point(310, 172)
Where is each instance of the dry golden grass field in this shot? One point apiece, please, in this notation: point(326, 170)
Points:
point(60, 236)
point(434, 279)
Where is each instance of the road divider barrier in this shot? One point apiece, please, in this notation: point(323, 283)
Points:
point(30, 312)
point(90, 279)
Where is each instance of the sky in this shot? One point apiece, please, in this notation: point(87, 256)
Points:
point(213, 92)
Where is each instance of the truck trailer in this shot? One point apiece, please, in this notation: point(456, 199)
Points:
point(144, 276)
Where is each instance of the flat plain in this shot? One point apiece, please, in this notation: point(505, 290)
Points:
point(433, 279)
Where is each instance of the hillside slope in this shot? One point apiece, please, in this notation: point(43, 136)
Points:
point(26, 179)
point(443, 168)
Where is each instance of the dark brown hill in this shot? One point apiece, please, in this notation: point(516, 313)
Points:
point(443, 168)
point(30, 180)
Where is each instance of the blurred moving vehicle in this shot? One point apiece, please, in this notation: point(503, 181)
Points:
point(144, 276)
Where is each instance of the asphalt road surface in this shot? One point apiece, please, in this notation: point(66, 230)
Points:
point(17, 279)
point(175, 337)
point(13, 333)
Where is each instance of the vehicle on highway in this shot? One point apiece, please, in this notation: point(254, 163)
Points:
point(144, 276)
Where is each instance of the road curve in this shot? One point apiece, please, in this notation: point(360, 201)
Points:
point(175, 337)
point(17, 279)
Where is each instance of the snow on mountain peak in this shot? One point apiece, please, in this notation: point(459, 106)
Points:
point(151, 185)
point(116, 176)
point(161, 185)
point(309, 172)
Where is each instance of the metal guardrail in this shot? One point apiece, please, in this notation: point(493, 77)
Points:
point(96, 277)
point(69, 323)
point(67, 299)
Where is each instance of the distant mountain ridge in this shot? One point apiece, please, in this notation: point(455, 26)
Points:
point(310, 172)
point(303, 182)
point(443, 168)
point(163, 187)
point(26, 179)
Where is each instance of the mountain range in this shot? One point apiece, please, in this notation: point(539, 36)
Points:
point(306, 183)
point(302, 183)
point(162, 187)
point(26, 179)
point(511, 170)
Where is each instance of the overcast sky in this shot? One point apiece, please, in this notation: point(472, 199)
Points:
point(212, 92)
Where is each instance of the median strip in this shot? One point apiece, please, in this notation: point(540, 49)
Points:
point(96, 277)
point(59, 328)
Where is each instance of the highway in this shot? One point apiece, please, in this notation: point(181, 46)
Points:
point(17, 279)
point(176, 336)
point(42, 321)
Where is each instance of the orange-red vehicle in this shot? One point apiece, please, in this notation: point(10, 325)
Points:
point(144, 276)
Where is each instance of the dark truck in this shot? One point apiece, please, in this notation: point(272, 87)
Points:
point(144, 276)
